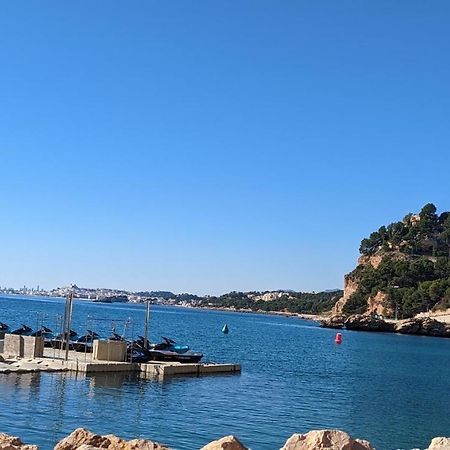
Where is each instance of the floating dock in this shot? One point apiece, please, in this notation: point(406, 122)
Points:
point(53, 361)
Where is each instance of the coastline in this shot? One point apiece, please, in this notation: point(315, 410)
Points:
point(303, 316)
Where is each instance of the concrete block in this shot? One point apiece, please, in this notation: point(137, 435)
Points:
point(33, 347)
point(13, 346)
point(106, 350)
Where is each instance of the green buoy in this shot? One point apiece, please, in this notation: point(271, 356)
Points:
point(225, 329)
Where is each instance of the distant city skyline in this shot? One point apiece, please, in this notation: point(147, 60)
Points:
point(212, 147)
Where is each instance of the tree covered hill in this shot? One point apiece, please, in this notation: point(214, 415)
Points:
point(406, 264)
point(283, 301)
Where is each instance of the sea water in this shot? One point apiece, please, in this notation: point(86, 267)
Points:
point(390, 389)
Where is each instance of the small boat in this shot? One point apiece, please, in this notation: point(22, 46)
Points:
point(86, 342)
point(44, 332)
point(167, 350)
point(24, 330)
point(59, 341)
point(3, 329)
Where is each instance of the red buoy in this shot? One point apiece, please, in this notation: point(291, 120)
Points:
point(338, 338)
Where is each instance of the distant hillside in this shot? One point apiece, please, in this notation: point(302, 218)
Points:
point(404, 268)
point(283, 301)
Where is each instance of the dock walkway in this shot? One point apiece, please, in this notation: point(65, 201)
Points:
point(53, 361)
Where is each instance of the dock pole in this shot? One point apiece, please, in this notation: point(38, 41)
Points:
point(67, 322)
point(147, 318)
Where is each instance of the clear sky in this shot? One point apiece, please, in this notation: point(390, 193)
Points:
point(208, 146)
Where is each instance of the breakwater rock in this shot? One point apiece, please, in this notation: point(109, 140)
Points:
point(82, 439)
point(424, 326)
point(325, 440)
point(8, 442)
point(226, 443)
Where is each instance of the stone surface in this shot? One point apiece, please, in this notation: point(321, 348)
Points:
point(440, 443)
point(423, 326)
point(362, 322)
point(88, 447)
point(13, 346)
point(336, 322)
point(325, 440)
point(378, 305)
point(14, 443)
point(81, 437)
point(226, 443)
point(33, 347)
point(107, 350)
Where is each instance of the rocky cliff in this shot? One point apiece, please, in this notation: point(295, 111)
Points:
point(403, 269)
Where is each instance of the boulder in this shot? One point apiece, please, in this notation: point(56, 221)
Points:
point(89, 441)
point(226, 443)
point(363, 322)
point(440, 443)
point(14, 443)
point(325, 440)
point(88, 447)
point(423, 326)
point(333, 322)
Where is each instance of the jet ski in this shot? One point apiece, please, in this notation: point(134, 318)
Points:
point(167, 350)
point(3, 329)
point(85, 343)
point(59, 341)
point(44, 332)
point(24, 330)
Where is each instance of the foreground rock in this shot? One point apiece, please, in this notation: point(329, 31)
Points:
point(14, 443)
point(362, 322)
point(226, 443)
point(325, 440)
point(440, 443)
point(84, 439)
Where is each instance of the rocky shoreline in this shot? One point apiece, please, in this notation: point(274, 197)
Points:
point(82, 439)
point(421, 326)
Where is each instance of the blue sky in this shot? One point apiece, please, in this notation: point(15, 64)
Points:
point(214, 146)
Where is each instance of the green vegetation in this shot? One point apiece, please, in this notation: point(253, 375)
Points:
point(414, 272)
point(293, 302)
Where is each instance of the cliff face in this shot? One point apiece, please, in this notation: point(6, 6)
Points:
point(403, 270)
point(376, 304)
point(350, 287)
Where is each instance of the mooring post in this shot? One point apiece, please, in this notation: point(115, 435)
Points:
point(147, 318)
point(68, 322)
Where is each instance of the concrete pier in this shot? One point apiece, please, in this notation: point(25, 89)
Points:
point(164, 369)
point(52, 360)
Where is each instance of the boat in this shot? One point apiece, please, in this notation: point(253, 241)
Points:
point(167, 350)
point(3, 329)
point(24, 330)
point(59, 341)
point(43, 332)
point(112, 299)
point(85, 343)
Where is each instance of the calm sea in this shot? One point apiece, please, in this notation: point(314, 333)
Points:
point(392, 390)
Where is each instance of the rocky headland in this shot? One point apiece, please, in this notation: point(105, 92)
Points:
point(401, 282)
point(82, 439)
point(422, 326)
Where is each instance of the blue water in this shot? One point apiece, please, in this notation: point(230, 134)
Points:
point(392, 390)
